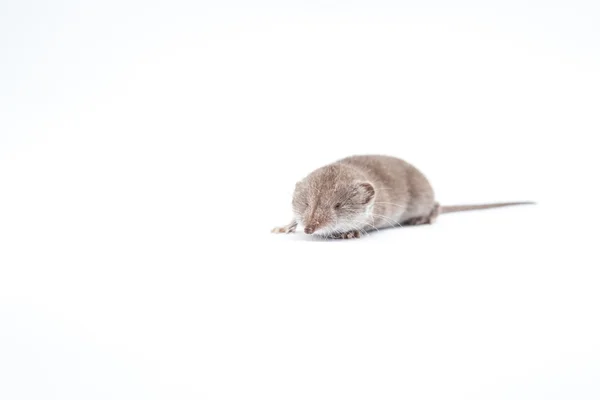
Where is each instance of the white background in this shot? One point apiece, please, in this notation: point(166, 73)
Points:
point(147, 149)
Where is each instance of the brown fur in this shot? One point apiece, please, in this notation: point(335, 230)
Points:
point(334, 200)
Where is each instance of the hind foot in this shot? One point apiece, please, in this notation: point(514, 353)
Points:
point(426, 220)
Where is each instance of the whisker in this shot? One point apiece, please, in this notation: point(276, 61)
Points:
point(374, 227)
point(358, 228)
point(394, 204)
point(373, 219)
point(392, 224)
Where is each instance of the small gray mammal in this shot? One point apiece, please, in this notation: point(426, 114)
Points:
point(361, 193)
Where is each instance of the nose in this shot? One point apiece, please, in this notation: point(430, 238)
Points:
point(308, 230)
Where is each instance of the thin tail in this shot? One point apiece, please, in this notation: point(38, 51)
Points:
point(450, 209)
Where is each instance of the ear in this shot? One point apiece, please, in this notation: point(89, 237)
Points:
point(366, 192)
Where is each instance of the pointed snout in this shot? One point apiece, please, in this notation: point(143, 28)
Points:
point(311, 228)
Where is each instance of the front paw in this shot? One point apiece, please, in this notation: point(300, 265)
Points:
point(282, 229)
point(347, 235)
point(351, 235)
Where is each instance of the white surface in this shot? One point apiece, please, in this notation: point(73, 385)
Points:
point(147, 150)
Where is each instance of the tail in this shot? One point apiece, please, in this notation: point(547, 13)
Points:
point(450, 209)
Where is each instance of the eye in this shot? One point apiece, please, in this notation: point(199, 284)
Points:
point(338, 205)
